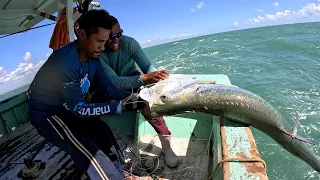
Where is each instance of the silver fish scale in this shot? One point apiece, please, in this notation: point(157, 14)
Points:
point(241, 106)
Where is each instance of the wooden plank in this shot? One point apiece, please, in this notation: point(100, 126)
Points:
point(217, 151)
point(239, 147)
point(11, 119)
point(193, 159)
point(12, 102)
point(206, 81)
point(3, 129)
point(25, 141)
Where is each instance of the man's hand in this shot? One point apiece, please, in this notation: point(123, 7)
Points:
point(155, 77)
point(132, 103)
point(130, 99)
point(135, 103)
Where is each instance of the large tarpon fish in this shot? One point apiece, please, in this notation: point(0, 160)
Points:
point(180, 94)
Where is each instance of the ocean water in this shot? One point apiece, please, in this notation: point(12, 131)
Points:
point(279, 63)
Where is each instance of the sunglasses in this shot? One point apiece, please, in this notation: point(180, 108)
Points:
point(116, 35)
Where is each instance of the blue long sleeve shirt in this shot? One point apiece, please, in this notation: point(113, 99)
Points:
point(122, 66)
point(63, 82)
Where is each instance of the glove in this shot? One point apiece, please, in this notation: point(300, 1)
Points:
point(135, 103)
point(146, 111)
point(132, 103)
point(130, 99)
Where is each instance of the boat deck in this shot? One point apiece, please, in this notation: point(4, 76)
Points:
point(194, 156)
point(25, 141)
point(204, 144)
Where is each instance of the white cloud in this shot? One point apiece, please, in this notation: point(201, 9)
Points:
point(22, 75)
point(235, 23)
point(306, 11)
point(2, 72)
point(27, 57)
point(147, 41)
point(198, 7)
point(276, 4)
point(260, 10)
point(177, 36)
point(166, 39)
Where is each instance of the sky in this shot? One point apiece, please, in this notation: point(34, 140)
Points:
point(155, 22)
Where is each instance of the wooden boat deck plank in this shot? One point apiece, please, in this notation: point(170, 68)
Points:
point(192, 154)
point(25, 140)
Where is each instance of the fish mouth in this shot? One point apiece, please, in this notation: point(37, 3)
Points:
point(176, 84)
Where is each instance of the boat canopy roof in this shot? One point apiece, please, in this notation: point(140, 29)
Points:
point(20, 15)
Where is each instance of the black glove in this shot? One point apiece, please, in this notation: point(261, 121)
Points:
point(130, 99)
point(135, 103)
point(132, 103)
point(146, 111)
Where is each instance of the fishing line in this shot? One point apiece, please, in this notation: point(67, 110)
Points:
point(129, 96)
point(155, 166)
point(134, 102)
point(137, 158)
point(137, 162)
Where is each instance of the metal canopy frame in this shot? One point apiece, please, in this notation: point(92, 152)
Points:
point(21, 15)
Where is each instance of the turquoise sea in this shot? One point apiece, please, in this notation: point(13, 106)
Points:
point(279, 63)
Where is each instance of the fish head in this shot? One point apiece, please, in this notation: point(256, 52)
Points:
point(167, 95)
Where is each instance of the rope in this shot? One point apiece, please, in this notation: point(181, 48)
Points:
point(27, 30)
point(236, 160)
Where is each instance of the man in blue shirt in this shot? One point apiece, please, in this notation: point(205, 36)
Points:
point(119, 62)
point(57, 106)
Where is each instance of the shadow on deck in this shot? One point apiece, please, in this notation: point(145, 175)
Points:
point(144, 159)
point(23, 143)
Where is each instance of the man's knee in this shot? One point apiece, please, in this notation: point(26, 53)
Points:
point(102, 167)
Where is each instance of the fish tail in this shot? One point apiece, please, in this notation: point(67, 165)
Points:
point(301, 138)
point(297, 145)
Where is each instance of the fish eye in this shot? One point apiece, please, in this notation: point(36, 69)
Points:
point(163, 97)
